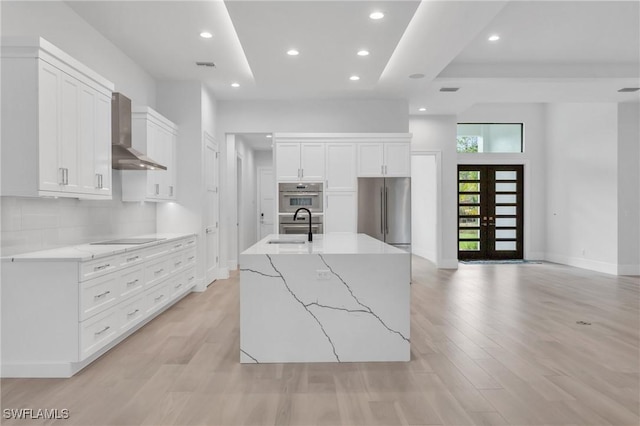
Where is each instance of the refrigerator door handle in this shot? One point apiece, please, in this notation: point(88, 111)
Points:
point(386, 211)
point(381, 213)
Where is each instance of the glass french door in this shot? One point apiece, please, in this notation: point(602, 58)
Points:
point(490, 212)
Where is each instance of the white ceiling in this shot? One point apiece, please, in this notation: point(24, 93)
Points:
point(256, 141)
point(549, 51)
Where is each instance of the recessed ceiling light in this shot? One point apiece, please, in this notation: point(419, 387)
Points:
point(269, 136)
point(422, 109)
point(376, 15)
point(293, 52)
point(363, 53)
point(206, 34)
point(414, 76)
point(235, 84)
point(494, 37)
point(354, 78)
point(629, 89)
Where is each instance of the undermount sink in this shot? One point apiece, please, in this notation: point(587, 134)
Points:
point(286, 242)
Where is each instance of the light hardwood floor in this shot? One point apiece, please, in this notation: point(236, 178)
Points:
point(491, 345)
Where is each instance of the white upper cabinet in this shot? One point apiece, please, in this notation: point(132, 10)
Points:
point(56, 130)
point(300, 161)
point(340, 167)
point(380, 159)
point(155, 136)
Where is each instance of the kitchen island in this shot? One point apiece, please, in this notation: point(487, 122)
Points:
point(341, 298)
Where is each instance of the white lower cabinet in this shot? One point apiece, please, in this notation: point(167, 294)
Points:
point(341, 212)
point(58, 315)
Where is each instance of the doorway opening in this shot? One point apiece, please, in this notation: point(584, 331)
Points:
point(490, 212)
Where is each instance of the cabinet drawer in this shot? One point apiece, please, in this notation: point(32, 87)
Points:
point(96, 268)
point(178, 245)
point(190, 277)
point(98, 331)
point(134, 258)
point(176, 262)
point(157, 251)
point(190, 257)
point(178, 285)
point(156, 271)
point(190, 242)
point(132, 312)
point(157, 298)
point(131, 281)
point(98, 294)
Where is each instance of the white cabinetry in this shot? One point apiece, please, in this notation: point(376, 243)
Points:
point(341, 167)
point(380, 159)
point(302, 162)
point(56, 123)
point(156, 136)
point(341, 212)
point(59, 314)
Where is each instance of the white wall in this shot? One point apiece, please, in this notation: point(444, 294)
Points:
point(438, 133)
point(629, 189)
point(582, 183)
point(424, 204)
point(321, 116)
point(36, 224)
point(533, 159)
point(247, 217)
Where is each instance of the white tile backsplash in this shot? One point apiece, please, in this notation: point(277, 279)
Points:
point(31, 224)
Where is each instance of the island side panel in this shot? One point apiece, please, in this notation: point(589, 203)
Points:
point(324, 307)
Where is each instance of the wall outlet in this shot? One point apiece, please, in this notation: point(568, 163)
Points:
point(323, 274)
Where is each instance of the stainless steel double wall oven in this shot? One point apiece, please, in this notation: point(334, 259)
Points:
point(292, 196)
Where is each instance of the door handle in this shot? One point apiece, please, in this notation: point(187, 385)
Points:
point(381, 212)
point(386, 211)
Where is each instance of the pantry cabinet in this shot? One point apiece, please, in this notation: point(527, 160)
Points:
point(340, 167)
point(56, 123)
point(341, 212)
point(156, 136)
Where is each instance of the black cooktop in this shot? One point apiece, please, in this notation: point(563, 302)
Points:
point(132, 241)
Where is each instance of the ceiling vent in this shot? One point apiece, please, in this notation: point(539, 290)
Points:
point(449, 89)
point(629, 89)
point(206, 64)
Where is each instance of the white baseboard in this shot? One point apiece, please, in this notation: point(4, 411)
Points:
point(592, 265)
point(535, 255)
point(629, 269)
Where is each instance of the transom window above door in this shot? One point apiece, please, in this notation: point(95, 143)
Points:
point(490, 137)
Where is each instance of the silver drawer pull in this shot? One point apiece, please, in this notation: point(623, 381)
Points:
point(133, 313)
point(191, 278)
point(177, 246)
point(178, 263)
point(131, 259)
point(158, 298)
point(97, 333)
point(178, 286)
point(159, 271)
point(191, 258)
point(132, 282)
point(98, 296)
point(99, 268)
point(191, 242)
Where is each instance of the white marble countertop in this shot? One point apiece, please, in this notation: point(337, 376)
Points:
point(334, 243)
point(84, 252)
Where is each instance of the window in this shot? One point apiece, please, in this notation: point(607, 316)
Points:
point(490, 137)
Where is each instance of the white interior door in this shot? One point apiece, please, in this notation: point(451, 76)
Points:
point(212, 203)
point(266, 202)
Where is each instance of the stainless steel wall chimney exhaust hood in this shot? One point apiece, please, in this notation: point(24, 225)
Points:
point(123, 156)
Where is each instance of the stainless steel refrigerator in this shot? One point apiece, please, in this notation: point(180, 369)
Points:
point(384, 210)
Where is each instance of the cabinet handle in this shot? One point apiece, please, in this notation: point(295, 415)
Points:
point(178, 286)
point(385, 170)
point(157, 189)
point(191, 258)
point(132, 282)
point(191, 278)
point(66, 176)
point(381, 170)
point(159, 271)
point(97, 333)
point(177, 246)
point(98, 181)
point(98, 296)
point(99, 268)
point(133, 312)
point(171, 190)
point(158, 298)
point(61, 170)
point(178, 263)
point(131, 259)
point(301, 173)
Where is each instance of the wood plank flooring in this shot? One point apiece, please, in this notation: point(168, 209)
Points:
point(490, 344)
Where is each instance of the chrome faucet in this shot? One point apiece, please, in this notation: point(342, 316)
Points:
point(295, 215)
